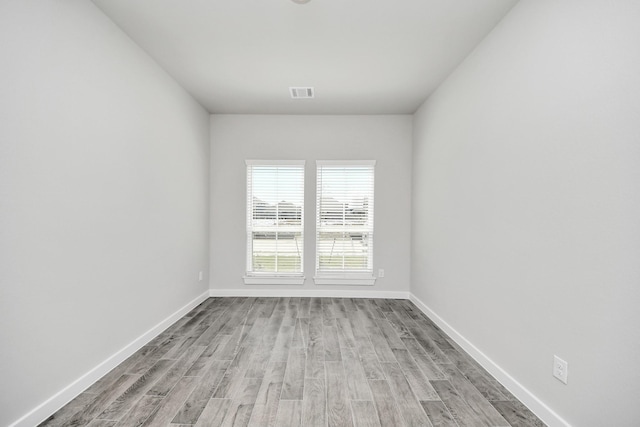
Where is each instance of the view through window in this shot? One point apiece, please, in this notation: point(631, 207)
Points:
point(275, 217)
point(344, 218)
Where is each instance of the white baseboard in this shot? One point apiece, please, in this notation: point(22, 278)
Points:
point(542, 411)
point(64, 396)
point(321, 293)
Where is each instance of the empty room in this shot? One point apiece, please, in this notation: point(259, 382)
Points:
point(319, 213)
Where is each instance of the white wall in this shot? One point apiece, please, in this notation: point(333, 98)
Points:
point(526, 207)
point(103, 196)
point(235, 138)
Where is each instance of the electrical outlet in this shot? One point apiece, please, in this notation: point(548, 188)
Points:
point(560, 369)
point(381, 272)
point(200, 276)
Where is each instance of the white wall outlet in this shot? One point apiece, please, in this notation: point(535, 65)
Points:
point(560, 369)
point(200, 276)
point(381, 272)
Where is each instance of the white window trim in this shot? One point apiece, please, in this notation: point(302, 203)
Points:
point(343, 278)
point(345, 162)
point(251, 278)
point(350, 280)
point(273, 280)
point(251, 162)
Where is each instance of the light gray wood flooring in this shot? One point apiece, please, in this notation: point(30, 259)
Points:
point(298, 362)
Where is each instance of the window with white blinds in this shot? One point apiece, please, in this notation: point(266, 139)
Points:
point(275, 218)
point(344, 219)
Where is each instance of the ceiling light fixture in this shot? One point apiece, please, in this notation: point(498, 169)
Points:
point(301, 1)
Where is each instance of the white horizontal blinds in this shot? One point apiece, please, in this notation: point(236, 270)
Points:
point(344, 218)
point(275, 218)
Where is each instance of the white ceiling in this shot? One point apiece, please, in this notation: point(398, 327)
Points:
point(361, 56)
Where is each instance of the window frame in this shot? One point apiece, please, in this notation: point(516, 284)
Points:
point(344, 277)
point(252, 277)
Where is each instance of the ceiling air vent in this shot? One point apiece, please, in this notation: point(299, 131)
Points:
point(301, 92)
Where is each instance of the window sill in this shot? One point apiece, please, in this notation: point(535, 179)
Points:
point(273, 280)
point(345, 280)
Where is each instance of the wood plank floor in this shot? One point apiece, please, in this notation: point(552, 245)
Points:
point(298, 362)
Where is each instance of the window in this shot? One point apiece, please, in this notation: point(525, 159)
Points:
point(275, 222)
point(344, 222)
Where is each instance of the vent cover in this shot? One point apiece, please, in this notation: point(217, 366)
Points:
point(301, 92)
